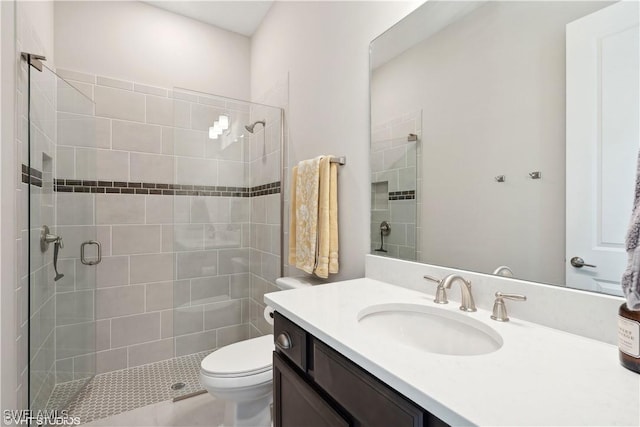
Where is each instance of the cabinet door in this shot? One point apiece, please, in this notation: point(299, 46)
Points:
point(296, 403)
point(370, 402)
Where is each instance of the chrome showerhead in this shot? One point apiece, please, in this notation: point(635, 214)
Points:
point(252, 125)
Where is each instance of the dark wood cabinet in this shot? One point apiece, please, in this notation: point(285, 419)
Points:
point(296, 403)
point(315, 386)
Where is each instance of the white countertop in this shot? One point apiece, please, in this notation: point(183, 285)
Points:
point(540, 376)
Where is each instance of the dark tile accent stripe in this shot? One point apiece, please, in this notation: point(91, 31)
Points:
point(124, 187)
point(402, 195)
point(31, 176)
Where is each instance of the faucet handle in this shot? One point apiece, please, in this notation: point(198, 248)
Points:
point(441, 293)
point(500, 308)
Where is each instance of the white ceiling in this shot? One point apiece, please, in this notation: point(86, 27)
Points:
point(243, 17)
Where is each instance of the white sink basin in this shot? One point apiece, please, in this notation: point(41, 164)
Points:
point(429, 329)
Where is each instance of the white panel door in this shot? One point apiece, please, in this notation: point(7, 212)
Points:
point(603, 128)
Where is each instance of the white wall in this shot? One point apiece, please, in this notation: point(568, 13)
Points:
point(8, 350)
point(324, 46)
point(35, 28)
point(137, 42)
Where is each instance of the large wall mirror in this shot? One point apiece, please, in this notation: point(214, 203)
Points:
point(505, 137)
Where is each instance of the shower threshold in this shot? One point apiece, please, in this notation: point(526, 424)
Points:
point(115, 392)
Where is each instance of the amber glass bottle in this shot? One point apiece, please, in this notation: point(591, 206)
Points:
point(629, 338)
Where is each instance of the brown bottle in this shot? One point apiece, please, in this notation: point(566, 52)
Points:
point(629, 338)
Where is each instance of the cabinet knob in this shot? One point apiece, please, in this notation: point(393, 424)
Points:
point(284, 341)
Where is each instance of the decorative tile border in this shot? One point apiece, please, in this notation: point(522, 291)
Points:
point(402, 195)
point(32, 176)
point(148, 188)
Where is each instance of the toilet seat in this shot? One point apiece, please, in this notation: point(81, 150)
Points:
point(239, 365)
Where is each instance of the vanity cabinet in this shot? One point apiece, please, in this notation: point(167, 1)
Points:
point(315, 386)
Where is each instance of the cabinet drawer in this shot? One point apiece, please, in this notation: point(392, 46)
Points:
point(290, 340)
point(367, 399)
point(296, 403)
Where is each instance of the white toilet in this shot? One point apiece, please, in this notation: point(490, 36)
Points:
point(241, 373)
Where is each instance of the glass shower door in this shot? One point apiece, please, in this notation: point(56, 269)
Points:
point(63, 248)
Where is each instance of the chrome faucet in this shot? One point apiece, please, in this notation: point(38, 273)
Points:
point(503, 270)
point(465, 287)
point(441, 294)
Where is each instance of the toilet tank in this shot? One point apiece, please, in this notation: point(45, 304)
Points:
point(297, 282)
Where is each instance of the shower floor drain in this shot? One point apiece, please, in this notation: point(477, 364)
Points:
point(177, 386)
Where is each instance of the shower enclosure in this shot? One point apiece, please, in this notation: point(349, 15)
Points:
point(163, 216)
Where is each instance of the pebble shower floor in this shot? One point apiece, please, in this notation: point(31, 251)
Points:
point(115, 392)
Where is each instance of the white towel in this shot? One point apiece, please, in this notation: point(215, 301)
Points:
point(631, 276)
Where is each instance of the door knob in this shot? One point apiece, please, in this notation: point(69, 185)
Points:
point(578, 262)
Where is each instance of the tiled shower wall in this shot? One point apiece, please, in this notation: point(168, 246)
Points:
point(395, 184)
point(199, 233)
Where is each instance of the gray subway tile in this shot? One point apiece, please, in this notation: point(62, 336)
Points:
point(111, 360)
point(135, 239)
point(119, 104)
point(188, 320)
point(74, 209)
point(197, 264)
point(102, 164)
point(233, 334)
point(221, 314)
point(75, 340)
point(135, 329)
point(74, 307)
point(151, 268)
point(209, 289)
point(119, 301)
point(159, 296)
point(149, 90)
point(132, 136)
point(232, 261)
point(75, 98)
point(113, 271)
point(210, 210)
point(75, 75)
point(168, 112)
point(150, 352)
point(103, 334)
point(83, 131)
point(115, 83)
point(240, 285)
point(194, 343)
point(120, 209)
point(151, 168)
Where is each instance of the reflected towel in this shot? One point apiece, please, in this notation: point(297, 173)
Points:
point(327, 255)
point(631, 276)
point(303, 223)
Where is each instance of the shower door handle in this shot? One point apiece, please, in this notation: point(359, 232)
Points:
point(92, 262)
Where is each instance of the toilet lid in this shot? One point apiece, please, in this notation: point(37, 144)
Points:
point(242, 358)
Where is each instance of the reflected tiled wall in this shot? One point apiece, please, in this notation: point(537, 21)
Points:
point(393, 170)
